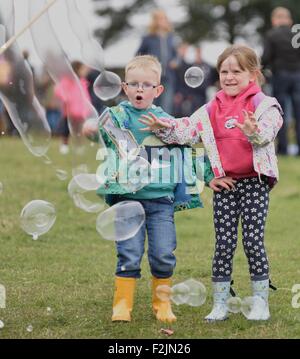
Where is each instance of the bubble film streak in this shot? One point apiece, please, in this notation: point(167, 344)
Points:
point(91, 51)
point(17, 93)
point(77, 189)
point(60, 70)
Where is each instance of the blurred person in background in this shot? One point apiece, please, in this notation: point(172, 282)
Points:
point(187, 99)
point(73, 100)
point(50, 102)
point(161, 42)
point(96, 102)
point(284, 61)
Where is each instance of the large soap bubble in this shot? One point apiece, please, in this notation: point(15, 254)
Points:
point(68, 86)
point(108, 84)
point(190, 292)
point(121, 221)
point(17, 91)
point(37, 217)
point(78, 188)
point(196, 292)
point(92, 53)
point(194, 76)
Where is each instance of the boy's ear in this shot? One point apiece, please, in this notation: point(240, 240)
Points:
point(124, 87)
point(159, 90)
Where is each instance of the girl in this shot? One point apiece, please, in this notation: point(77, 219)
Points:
point(238, 128)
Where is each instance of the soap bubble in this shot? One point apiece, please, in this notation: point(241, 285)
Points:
point(107, 85)
point(82, 168)
point(164, 292)
point(1, 324)
point(196, 292)
point(121, 221)
point(180, 293)
point(61, 174)
point(249, 303)
point(189, 292)
point(78, 188)
point(29, 328)
point(46, 160)
point(234, 304)
point(37, 217)
point(194, 76)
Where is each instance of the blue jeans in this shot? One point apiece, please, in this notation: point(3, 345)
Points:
point(160, 227)
point(287, 84)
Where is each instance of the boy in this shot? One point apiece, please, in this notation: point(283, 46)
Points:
point(159, 200)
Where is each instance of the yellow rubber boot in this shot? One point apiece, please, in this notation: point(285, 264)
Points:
point(123, 299)
point(162, 309)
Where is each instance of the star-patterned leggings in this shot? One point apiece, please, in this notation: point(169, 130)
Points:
point(249, 201)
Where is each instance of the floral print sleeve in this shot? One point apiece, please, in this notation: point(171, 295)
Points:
point(183, 131)
point(269, 124)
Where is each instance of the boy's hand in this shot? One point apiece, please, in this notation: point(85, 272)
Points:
point(217, 184)
point(90, 127)
point(153, 123)
point(250, 124)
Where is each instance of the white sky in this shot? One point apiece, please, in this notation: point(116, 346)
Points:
point(117, 54)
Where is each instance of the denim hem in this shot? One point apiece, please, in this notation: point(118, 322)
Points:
point(128, 275)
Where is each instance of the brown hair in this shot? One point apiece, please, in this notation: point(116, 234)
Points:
point(246, 58)
point(76, 66)
point(145, 61)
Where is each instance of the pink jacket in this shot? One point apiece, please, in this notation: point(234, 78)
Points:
point(74, 97)
point(190, 130)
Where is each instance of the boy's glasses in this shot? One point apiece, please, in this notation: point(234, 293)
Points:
point(144, 85)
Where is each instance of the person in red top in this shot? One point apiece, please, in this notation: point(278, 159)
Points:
point(238, 128)
point(75, 100)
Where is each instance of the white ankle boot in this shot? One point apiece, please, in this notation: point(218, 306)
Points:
point(220, 309)
point(260, 310)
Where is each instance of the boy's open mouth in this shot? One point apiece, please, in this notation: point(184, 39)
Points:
point(139, 97)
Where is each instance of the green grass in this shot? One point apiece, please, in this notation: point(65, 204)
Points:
point(71, 269)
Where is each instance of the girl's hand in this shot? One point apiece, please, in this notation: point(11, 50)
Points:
point(250, 124)
point(153, 123)
point(217, 184)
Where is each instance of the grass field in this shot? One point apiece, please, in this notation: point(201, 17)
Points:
point(71, 269)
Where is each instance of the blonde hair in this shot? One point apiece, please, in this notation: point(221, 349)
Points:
point(148, 62)
point(246, 58)
point(156, 14)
